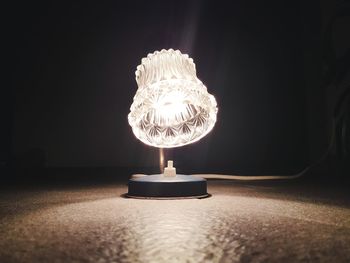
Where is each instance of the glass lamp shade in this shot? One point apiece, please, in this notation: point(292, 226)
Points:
point(172, 107)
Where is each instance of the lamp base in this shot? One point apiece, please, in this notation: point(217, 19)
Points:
point(158, 186)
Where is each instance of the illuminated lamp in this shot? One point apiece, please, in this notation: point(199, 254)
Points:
point(171, 108)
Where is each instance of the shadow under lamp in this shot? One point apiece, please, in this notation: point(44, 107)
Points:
point(171, 108)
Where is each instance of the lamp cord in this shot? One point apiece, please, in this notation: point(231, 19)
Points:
point(272, 177)
point(248, 178)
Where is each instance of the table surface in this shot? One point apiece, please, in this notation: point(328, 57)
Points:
point(240, 222)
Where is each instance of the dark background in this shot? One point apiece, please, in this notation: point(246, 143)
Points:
point(270, 64)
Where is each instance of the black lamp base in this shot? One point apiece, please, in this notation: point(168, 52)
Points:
point(158, 186)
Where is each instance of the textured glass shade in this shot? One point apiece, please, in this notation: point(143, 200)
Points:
point(171, 107)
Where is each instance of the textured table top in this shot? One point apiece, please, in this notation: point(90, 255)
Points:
point(239, 223)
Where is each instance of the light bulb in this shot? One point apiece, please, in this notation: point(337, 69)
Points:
point(171, 107)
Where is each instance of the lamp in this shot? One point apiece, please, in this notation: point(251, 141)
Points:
point(171, 108)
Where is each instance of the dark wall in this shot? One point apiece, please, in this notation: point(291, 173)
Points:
point(73, 80)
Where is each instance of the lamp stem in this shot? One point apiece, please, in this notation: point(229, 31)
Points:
point(161, 160)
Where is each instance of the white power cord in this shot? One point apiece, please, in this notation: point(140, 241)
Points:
point(258, 177)
point(247, 177)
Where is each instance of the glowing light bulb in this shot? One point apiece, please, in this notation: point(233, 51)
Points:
point(171, 107)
